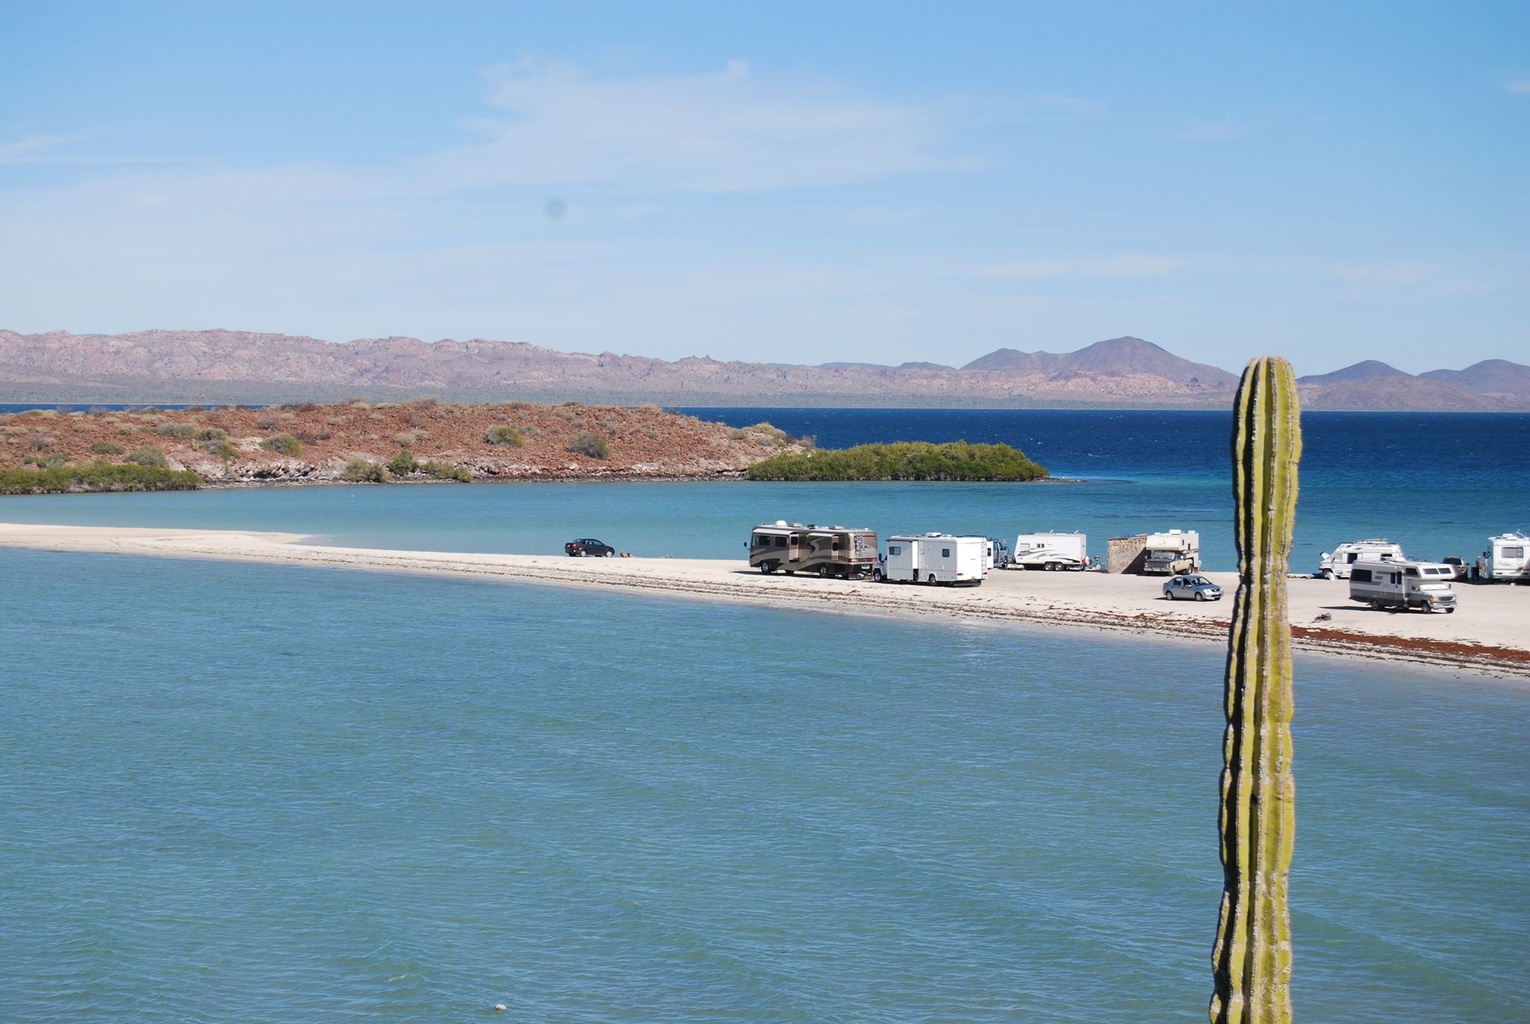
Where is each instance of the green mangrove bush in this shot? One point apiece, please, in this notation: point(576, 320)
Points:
point(96, 476)
point(902, 460)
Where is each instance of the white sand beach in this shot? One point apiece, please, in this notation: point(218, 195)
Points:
point(1489, 633)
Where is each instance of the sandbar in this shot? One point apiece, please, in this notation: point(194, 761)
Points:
point(1488, 634)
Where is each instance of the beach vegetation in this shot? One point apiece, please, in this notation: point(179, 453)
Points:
point(590, 444)
point(220, 447)
point(447, 471)
point(96, 476)
point(403, 464)
point(903, 460)
point(501, 434)
point(365, 471)
point(283, 444)
point(106, 448)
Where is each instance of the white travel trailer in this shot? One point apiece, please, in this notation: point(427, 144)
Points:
point(1336, 564)
point(1051, 551)
point(934, 558)
point(1505, 559)
point(1403, 585)
point(1172, 553)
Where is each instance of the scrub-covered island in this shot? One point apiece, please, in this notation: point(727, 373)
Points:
point(47, 450)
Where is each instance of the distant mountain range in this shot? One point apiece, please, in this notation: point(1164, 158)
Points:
point(233, 367)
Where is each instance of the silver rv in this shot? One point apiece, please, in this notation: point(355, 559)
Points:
point(1403, 585)
point(826, 550)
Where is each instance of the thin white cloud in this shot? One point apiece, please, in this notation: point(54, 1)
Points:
point(1407, 280)
point(732, 129)
point(1519, 86)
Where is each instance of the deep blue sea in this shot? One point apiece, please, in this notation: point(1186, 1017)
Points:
point(282, 794)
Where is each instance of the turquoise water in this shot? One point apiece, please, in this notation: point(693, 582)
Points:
point(281, 794)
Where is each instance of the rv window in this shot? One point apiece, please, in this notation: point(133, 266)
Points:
point(895, 549)
point(780, 542)
point(834, 546)
point(1362, 576)
point(1517, 552)
point(945, 552)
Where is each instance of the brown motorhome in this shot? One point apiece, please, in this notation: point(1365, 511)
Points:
point(826, 550)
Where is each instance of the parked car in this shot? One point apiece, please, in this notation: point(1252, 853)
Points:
point(588, 546)
point(1191, 588)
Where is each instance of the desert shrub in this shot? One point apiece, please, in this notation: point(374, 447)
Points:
point(363, 471)
point(179, 431)
point(501, 434)
point(212, 434)
point(220, 447)
point(446, 471)
point(107, 448)
point(403, 464)
point(903, 460)
point(405, 438)
point(53, 460)
point(283, 444)
point(589, 444)
point(150, 458)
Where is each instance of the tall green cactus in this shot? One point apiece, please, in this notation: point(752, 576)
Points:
point(1252, 958)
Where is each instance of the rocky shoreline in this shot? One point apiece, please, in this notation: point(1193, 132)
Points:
point(417, 441)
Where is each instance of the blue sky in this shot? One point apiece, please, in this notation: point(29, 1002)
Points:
point(779, 182)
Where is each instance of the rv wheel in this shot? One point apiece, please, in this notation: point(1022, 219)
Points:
point(823, 572)
point(766, 567)
point(876, 576)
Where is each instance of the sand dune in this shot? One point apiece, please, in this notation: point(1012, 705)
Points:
point(1489, 633)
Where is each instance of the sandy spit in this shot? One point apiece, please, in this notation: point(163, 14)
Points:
point(1488, 634)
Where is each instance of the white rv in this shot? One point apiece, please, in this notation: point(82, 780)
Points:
point(1335, 564)
point(933, 558)
point(1172, 553)
point(1505, 559)
point(1403, 585)
point(1051, 551)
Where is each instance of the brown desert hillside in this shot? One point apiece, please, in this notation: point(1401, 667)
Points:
point(354, 440)
point(216, 366)
point(222, 367)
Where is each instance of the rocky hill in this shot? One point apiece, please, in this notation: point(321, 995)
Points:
point(218, 366)
point(419, 440)
point(1490, 386)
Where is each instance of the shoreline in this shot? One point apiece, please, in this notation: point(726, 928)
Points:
point(1487, 636)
